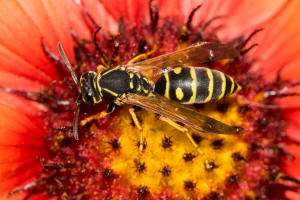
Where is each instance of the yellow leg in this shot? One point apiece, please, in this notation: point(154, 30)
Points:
point(138, 125)
point(143, 56)
point(96, 116)
point(106, 65)
point(182, 129)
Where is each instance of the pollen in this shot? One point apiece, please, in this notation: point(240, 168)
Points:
point(171, 161)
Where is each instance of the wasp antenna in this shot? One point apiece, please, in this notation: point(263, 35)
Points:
point(75, 123)
point(66, 61)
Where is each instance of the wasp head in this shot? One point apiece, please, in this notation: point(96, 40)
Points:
point(88, 88)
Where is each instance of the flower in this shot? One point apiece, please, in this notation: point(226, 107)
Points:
point(39, 157)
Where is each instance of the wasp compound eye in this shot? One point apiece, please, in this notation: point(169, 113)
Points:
point(88, 88)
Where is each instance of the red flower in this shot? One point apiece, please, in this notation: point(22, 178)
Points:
point(31, 135)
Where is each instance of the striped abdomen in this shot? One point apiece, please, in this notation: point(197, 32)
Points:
point(195, 85)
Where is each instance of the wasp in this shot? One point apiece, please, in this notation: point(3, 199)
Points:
point(164, 85)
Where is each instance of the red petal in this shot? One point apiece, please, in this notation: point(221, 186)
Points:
point(292, 167)
point(130, 10)
point(293, 131)
point(293, 195)
point(242, 16)
point(101, 16)
point(22, 139)
point(279, 44)
point(135, 11)
point(22, 105)
point(172, 9)
point(12, 63)
point(290, 69)
point(293, 128)
point(290, 72)
point(235, 12)
point(23, 195)
point(9, 80)
point(23, 29)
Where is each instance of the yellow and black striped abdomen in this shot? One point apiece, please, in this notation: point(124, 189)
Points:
point(191, 85)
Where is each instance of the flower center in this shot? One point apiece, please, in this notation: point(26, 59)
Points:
point(169, 160)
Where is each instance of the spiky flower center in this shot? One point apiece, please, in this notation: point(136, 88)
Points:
point(168, 159)
point(109, 160)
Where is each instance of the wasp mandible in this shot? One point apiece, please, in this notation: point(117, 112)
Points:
point(164, 84)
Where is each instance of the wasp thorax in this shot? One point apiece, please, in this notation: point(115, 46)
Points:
point(88, 88)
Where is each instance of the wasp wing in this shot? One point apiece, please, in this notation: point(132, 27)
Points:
point(199, 53)
point(180, 113)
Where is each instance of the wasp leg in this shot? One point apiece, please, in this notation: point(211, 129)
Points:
point(110, 108)
point(138, 125)
point(93, 117)
point(143, 56)
point(135, 119)
point(182, 129)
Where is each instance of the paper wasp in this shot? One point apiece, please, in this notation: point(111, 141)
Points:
point(163, 85)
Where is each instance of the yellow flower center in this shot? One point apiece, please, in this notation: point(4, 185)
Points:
point(169, 160)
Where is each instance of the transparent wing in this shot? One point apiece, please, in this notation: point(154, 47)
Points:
point(199, 53)
point(180, 113)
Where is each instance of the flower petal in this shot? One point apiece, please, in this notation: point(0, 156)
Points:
point(289, 72)
point(102, 17)
point(9, 80)
point(12, 63)
point(22, 31)
point(293, 132)
point(279, 44)
point(136, 10)
point(293, 195)
point(22, 105)
point(293, 127)
point(22, 139)
point(130, 10)
point(237, 12)
point(292, 167)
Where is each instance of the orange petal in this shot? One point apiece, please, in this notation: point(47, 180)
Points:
point(135, 11)
point(293, 195)
point(23, 29)
point(23, 195)
point(102, 17)
point(279, 44)
point(9, 80)
point(172, 9)
point(24, 106)
point(131, 10)
point(293, 131)
point(12, 63)
point(292, 167)
point(22, 139)
point(236, 12)
point(290, 68)
point(242, 16)
point(290, 72)
point(293, 126)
